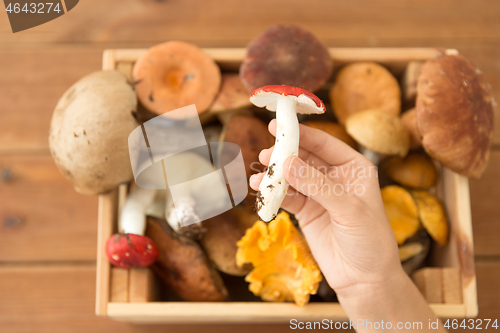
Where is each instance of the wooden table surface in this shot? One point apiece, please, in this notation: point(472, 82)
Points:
point(48, 232)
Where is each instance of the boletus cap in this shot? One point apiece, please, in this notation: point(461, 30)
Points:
point(289, 55)
point(364, 85)
point(334, 130)
point(379, 131)
point(409, 119)
point(455, 114)
point(415, 170)
point(232, 95)
point(175, 74)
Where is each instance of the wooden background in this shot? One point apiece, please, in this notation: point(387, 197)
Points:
point(48, 232)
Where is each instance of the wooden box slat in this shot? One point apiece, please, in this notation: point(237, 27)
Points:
point(453, 191)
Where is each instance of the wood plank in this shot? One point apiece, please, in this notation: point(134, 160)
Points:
point(118, 284)
point(141, 286)
point(430, 283)
point(41, 217)
point(106, 223)
point(154, 21)
point(485, 199)
point(61, 299)
point(452, 285)
point(31, 83)
point(487, 273)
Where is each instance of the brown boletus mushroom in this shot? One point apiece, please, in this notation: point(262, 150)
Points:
point(334, 130)
point(289, 55)
point(455, 114)
point(232, 95)
point(409, 119)
point(378, 133)
point(364, 85)
point(175, 74)
point(415, 170)
point(222, 233)
point(183, 266)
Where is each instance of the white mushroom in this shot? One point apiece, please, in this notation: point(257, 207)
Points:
point(197, 201)
point(287, 101)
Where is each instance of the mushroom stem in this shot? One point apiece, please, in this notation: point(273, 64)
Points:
point(370, 155)
point(183, 218)
point(130, 248)
point(273, 188)
point(133, 216)
point(195, 202)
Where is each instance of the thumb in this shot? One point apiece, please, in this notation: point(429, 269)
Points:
point(313, 183)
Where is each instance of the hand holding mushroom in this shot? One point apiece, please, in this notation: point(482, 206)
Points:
point(340, 213)
point(347, 231)
point(287, 101)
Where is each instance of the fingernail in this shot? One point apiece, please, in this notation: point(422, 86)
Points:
point(295, 167)
point(261, 152)
point(253, 181)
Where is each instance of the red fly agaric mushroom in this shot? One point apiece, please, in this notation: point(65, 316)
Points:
point(175, 74)
point(364, 85)
point(455, 114)
point(130, 248)
point(286, 101)
point(286, 54)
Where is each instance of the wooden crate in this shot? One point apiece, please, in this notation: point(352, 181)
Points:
point(453, 189)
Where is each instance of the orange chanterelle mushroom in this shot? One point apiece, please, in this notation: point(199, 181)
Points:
point(284, 268)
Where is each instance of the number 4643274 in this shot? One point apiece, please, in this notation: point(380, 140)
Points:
point(472, 324)
point(33, 8)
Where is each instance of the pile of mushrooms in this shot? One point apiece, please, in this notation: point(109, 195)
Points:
point(439, 114)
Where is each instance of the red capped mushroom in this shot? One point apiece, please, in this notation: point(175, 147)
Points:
point(286, 54)
point(286, 101)
point(175, 74)
point(130, 248)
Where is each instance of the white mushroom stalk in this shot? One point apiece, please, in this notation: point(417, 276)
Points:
point(133, 214)
point(370, 155)
point(195, 202)
point(273, 188)
point(287, 102)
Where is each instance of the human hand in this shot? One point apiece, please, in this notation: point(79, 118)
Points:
point(335, 196)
